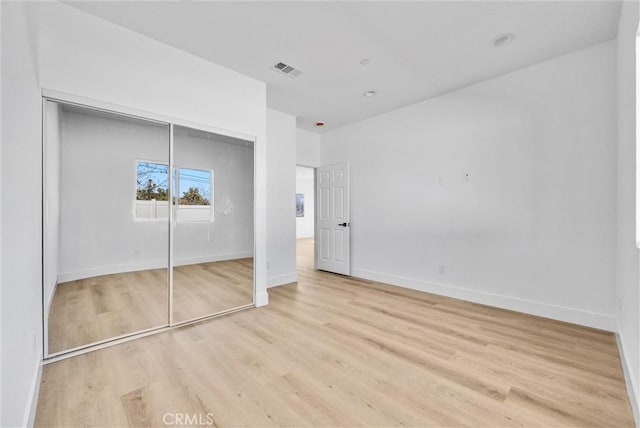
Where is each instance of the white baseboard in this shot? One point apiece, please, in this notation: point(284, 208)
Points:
point(630, 380)
point(34, 391)
point(288, 278)
point(262, 299)
point(561, 313)
point(122, 268)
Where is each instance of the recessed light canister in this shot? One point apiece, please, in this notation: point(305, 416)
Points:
point(369, 94)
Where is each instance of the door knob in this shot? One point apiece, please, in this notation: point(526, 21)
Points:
point(344, 224)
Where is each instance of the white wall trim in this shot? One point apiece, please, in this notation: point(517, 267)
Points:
point(262, 299)
point(287, 278)
point(561, 313)
point(108, 270)
point(34, 392)
point(629, 380)
point(60, 96)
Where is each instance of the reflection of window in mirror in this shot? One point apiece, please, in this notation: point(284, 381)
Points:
point(193, 197)
point(152, 191)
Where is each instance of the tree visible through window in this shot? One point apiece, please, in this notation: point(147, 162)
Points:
point(153, 181)
point(192, 200)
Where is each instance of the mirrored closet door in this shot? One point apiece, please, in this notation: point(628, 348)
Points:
point(106, 228)
point(146, 225)
point(213, 223)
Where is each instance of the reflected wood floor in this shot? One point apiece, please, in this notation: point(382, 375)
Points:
point(93, 309)
point(207, 288)
point(338, 351)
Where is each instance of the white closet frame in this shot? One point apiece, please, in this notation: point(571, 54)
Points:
point(171, 122)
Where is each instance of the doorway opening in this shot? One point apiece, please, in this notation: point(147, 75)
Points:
point(305, 217)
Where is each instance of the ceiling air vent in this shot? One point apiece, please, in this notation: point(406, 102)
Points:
point(287, 70)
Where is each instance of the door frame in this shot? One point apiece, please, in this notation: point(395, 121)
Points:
point(315, 212)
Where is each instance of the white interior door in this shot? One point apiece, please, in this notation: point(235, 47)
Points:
point(332, 222)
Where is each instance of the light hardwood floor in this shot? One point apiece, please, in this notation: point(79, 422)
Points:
point(93, 309)
point(338, 351)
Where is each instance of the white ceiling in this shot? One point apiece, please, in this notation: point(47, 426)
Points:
point(416, 49)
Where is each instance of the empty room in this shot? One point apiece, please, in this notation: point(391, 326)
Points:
point(319, 214)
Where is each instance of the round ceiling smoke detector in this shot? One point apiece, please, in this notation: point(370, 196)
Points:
point(502, 40)
point(369, 94)
point(319, 124)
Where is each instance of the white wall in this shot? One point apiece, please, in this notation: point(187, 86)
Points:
point(307, 148)
point(534, 227)
point(21, 215)
point(305, 185)
point(89, 57)
point(628, 266)
point(55, 46)
point(98, 231)
point(1, 224)
point(281, 212)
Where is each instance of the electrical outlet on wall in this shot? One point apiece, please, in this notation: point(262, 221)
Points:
point(467, 176)
point(441, 269)
point(440, 181)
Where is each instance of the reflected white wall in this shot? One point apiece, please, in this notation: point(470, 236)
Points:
point(99, 231)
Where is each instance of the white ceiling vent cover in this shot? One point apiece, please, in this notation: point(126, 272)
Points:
point(287, 70)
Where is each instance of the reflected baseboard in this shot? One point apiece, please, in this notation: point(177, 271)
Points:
point(123, 268)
